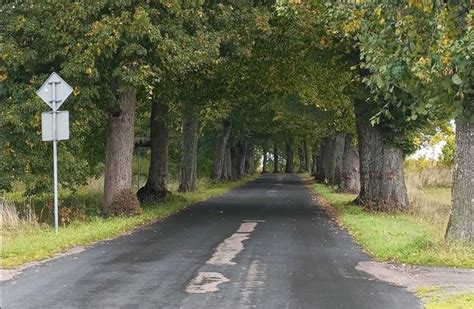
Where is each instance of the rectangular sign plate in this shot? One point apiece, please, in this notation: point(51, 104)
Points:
point(62, 126)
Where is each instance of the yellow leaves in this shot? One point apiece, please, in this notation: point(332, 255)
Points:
point(424, 5)
point(36, 121)
point(351, 26)
point(76, 91)
point(89, 71)
point(378, 11)
point(3, 76)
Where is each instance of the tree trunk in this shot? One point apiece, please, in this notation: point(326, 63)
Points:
point(289, 158)
point(382, 184)
point(461, 219)
point(338, 148)
point(119, 148)
point(227, 168)
point(328, 159)
point(241, 157)
point(318, 167)
point(235, 158)
point(301, 158)
point(276, 168)
point(222, 139)
point(307, 160)
point(264, 161)
point(189, 152)
point(155, 187)
point(350, 180)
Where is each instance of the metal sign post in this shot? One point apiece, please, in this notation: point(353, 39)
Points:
point(54, 92)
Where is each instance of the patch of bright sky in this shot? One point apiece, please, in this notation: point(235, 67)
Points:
point(429, 152)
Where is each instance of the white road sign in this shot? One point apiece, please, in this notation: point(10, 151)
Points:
point(55, 124)
point(62, 126)
point(54, 87)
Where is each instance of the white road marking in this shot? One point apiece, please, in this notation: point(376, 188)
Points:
point(227, 250)
point(272, 192)
point(206, 282)
point(247, 227)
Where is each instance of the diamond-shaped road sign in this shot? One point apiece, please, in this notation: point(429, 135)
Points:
point(54, 82)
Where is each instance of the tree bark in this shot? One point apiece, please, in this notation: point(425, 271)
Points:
point(307, 159)
point(189, 152)
point(119, 147)
point(264, 161)
point(328, 158)
point(276, 167)
point(350, 179)
point(155, 187)
point(227, 168)
point(222, 139)
point(289, 158)
point(301, 158)
point(461, 219)
point(338, 148)
point(234, 152)
point(382, 184)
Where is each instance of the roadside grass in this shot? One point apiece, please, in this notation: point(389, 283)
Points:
point(33, 242)
point(456, 301)
point(402, 237)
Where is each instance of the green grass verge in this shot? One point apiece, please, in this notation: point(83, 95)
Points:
point(458, 301)
point(398, 237)
point(33, 243)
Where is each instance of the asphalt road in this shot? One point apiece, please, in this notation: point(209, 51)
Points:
point(265, 245)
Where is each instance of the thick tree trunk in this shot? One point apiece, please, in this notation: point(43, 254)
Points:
point(276, 167)
point(307, 159)
point(461, 218)
point(264, 161)
point(227, 168)
point(328, 156)
point(382, 184)
point(222, 139)
point(155, 187)
point(188, 169)
point(289, 158)
point(301, 158)
point(350, 179)
point(238, 154)
point(119, 149)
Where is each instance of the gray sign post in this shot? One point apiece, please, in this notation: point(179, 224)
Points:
point(54, 92)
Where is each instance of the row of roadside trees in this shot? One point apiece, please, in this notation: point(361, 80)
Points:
point(343, 88)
